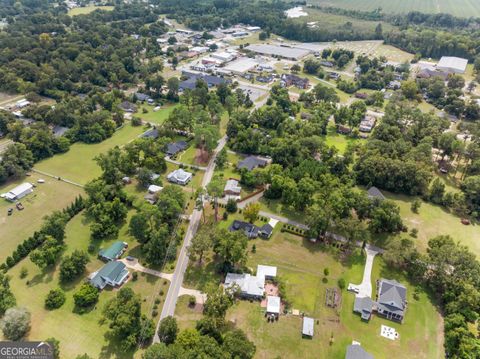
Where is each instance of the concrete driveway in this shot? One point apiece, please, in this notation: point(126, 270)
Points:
point(364, 289)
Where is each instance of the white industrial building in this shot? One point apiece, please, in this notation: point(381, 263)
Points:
point(241, 66)
point(451, 64)
point(290, 53)
point(223, 56)
point(19, 192)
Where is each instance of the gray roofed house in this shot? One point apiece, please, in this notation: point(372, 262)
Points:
point(265, 231)
point(179, 176)
point(252, 162)
point(232, 188)
point(250, 230)
point(142, 97)
point(210, 80)
point(152, 133)
point(363, 306)
point(59, 131)
point(355, 351)
point(391, 299)
point(307, 328)
point(249, 286)
point(113, 273)
point(176, 147)
point(373, 192)
point(127, 106)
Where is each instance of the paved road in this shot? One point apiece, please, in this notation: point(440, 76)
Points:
point(182, 263)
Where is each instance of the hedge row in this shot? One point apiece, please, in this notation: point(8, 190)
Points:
point(292, 229)
point(28, 245)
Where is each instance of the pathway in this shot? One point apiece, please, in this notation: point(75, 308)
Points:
point(168, 159)
point(364, 289)
point(134, 265)
point(283, 220)
point(57, 178)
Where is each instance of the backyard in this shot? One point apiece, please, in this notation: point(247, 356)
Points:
point(78, 163)
point(53, 195)
point(155, 117)
point(301, 265)
point(88, 329)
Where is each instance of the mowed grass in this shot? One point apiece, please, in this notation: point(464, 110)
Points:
point(78, 164)
point(78, 333)
point(50, 196)
point(88, 9)
point(432, 221)
point(463, 8)
point(158, 117)
point(301, 265)
point(337, 140)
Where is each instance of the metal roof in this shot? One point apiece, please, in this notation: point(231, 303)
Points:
point(112, 252)
point(355, 351)
point(308, 324)
point(274, 50)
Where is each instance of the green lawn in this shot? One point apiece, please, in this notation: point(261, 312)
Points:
point(337, 140)
point(433, 221)
point(50, 196)
point(301, 265)
point(78, 163)
point(186, 316)
point(88, 9)
point(158, 117)
point(77, 333)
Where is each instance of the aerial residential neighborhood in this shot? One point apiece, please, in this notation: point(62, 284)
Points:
point(240, 179)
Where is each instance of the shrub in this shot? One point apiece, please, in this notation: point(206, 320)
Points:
point(55, 299)
point(192, 301)
point(416, 205)
point(134, 276)
point(326, 271)
point(341, 283)
point(15, 323)
point(86, 296)
point(23, 272)
point(231, 206)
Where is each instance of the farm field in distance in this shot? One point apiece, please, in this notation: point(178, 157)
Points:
point(464, 8)
point(88, 9)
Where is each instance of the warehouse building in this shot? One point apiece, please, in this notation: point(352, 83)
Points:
point(19, 192)
point(289, 53)
point(450, 64)
point(241, 66)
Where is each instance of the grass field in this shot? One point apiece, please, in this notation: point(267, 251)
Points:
point(433, 220)
point(337, 140)
point(88, 9)
point(464, 8)
point(78, 163)
point(158, 117)
point(333, 22)
point(47, 197)
point(301, 266)
point(77, 333)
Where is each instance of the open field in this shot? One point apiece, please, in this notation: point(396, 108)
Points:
point(77, 333)
point(157, 118)
point(78, 163)
point(463, 8)
point(333, 22)
point(88, 9)
point(433, 221)
point(301, 265)
point(50, 196)
point(337, 140)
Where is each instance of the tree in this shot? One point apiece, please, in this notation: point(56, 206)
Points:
point(221, 159)
point(471, 191)
point(15, 323)
point(201, 243)
point(386, 218)
point(236, 343)
point(126, 321)
point(55, 343)
point(410, 89)
point(295, 68)
point(7, 299)
point(217, 303)
point(168, 330)
point(231, 248)
point(47, 254)
point(215, 189)
point(55, 299)
point(250, 213)
point(73, 265)
point(86, 296)
point(231, 206)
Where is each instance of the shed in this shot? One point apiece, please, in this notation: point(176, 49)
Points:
point(19, 192)
point(307, 329)
point(373, 192)
point(113, 252)
point(154, 188)
point(273, 304)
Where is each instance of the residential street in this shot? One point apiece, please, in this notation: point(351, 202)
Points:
point(182, 263)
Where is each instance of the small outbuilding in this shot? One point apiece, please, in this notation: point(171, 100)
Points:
point(19, 192)
point(273, 305)
point(307, 329)
point(152, 189)
point(113, 252)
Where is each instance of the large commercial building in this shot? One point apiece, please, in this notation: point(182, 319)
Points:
point(241, 66)
point(455, 65)
point(290, 53)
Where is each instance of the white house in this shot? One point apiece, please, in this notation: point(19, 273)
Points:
point(19, 192)
point(154, 189)
point(250, 286)
point(180, 177)
point(22, 103)
point(273, 305)
point(232, 188)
